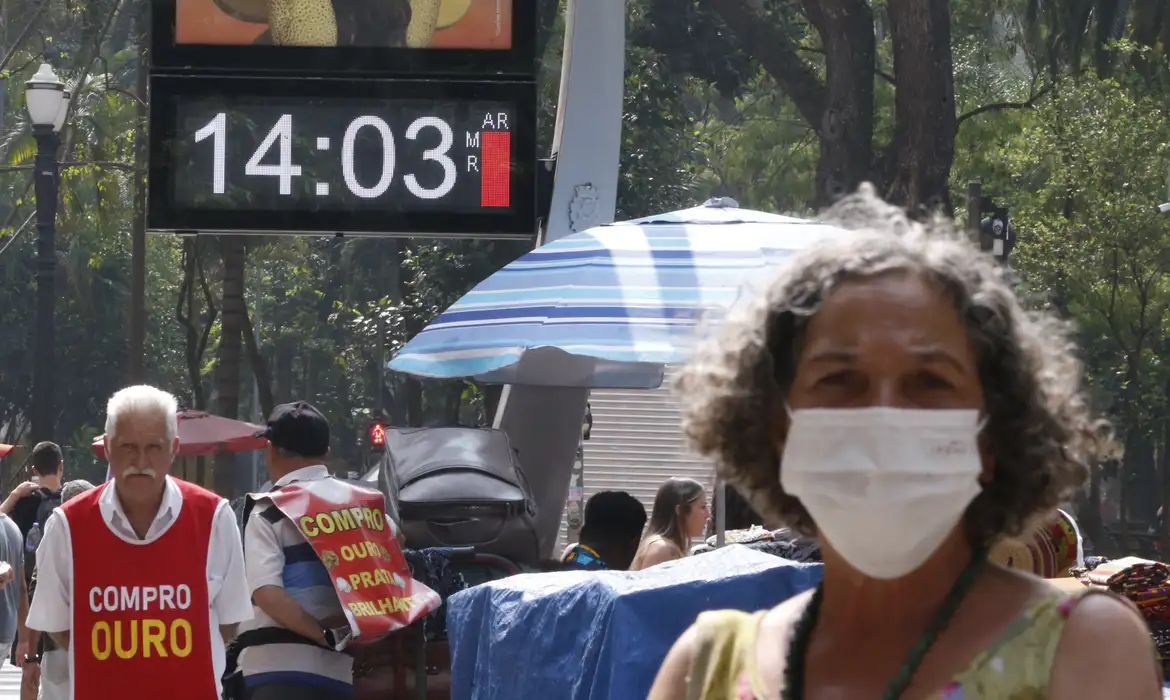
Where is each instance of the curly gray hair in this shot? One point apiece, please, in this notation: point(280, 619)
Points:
point(1040, 430)
point(74, 488)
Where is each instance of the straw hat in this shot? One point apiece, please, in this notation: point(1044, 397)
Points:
point(1048, 551)
point(1013, 554)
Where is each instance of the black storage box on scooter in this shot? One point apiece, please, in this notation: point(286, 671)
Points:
point(459, 487)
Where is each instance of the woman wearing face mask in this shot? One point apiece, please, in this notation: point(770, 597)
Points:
point(680, 514)
point(889, 395)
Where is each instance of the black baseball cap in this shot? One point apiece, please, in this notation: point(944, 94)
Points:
point(299, 428)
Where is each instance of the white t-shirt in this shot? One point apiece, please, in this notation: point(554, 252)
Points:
point(51, 609)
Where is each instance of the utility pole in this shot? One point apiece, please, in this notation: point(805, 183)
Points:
point(47, 102)
point(975, 213)
point(136, 371)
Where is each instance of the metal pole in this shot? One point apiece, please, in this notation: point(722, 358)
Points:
point(137, 360)
point(46, 186)
point(257, 411)
point(137, 304)
point(974, 211)
point(720, 513)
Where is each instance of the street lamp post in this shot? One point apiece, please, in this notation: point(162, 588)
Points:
point(47, 102)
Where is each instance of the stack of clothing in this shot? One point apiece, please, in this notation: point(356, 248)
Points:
point(1147, 584)
point(434, 570)
point(783, 543)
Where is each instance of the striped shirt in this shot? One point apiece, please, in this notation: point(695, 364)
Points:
point(276, 554)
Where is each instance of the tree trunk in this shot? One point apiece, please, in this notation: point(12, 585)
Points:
point(1125, 467)
point(414, 402)
point(1145, 478)
point(845, 125)
point(924, 104)
point(454, 402)
point(285, 353)
point(230, 360)
point(259, 366)
point(841, 108)
point(1164, 468)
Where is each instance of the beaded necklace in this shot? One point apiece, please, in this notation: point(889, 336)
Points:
point(802, 635)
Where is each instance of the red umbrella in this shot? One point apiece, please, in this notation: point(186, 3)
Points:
point(5, 449)
point(202, 434)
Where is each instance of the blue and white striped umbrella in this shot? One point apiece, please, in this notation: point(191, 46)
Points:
point(610, 306)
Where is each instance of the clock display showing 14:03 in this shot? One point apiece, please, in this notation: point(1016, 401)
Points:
point(321, 155)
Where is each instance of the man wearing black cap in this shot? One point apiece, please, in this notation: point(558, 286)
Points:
point(291, 588)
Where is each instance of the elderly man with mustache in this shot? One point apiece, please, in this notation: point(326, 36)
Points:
point(143, 578)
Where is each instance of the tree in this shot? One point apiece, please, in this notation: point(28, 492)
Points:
point(913, 167)
point(1098, 248)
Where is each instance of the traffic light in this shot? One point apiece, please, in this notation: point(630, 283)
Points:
point(377, 435)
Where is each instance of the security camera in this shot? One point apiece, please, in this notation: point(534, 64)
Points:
point(1164, 208)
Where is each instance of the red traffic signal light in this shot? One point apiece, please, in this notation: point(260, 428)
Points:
point(377, 435)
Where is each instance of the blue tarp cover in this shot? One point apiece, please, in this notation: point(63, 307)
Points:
point(579, 635)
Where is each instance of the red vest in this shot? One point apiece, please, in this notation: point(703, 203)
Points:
point(141, 611)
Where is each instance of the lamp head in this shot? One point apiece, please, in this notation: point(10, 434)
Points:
point(44, 94)
point(62, 112)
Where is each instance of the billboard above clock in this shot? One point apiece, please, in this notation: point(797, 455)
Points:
point(472, 38)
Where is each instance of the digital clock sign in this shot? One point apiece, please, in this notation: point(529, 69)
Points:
point(342, 156)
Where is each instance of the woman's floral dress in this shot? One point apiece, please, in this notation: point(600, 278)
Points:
point(1017, 667)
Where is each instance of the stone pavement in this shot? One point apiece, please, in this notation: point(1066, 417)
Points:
point(9, 682)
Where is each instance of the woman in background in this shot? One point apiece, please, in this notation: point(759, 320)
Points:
point(680, 514)
point(743, 525)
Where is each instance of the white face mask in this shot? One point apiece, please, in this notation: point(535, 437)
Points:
point(884, 485)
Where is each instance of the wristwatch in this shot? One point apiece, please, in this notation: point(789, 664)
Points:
point(32, 658)
point(329, 638)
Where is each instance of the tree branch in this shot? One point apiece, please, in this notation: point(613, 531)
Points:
point(12, 237)
point(67, 164)
point(23, 34)
point(777, 53)
point(127, 93)
point(212, 311)
point(259, 367)
point(996, 106)
point(12, 216)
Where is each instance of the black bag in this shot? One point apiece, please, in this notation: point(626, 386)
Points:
point(459, 487)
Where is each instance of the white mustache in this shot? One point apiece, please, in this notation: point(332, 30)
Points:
point(134, 471)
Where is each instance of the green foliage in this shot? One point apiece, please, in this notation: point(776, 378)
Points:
point(1088, 170)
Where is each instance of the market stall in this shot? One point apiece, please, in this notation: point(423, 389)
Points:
point(587, 635)
point(1143, 582)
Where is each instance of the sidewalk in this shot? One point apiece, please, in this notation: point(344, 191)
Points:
point(9, 682)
